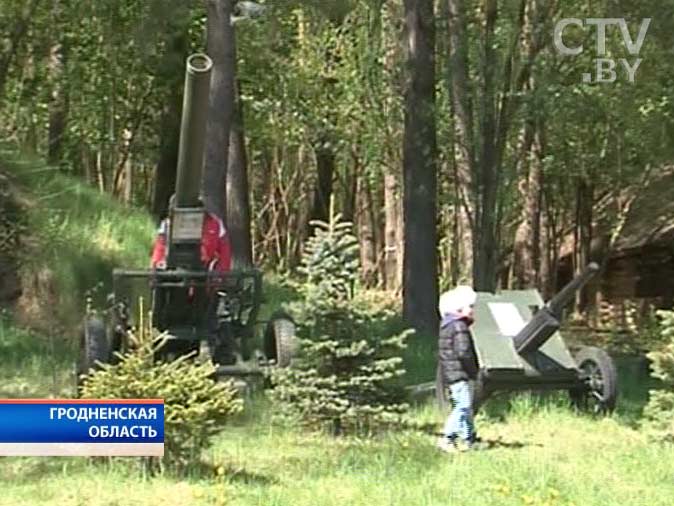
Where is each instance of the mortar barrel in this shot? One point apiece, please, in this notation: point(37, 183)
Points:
point(193, 130)
point(559, 301)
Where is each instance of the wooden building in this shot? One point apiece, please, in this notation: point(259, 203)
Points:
point(638, 267)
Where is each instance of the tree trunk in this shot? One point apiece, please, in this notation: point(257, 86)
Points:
point(485, 255)
point(547, 255)
point(366, 227)
point(325, 168)
point(420, 284)
point(526, 268)
point(128, 180)
point(58, 105)
point(238, 192)
point(391, 222)
point(221, 108)
point(165, 177)
point(526, 262)
point(464, 156)
point(584, 217)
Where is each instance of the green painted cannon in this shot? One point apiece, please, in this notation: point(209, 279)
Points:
point(200, 309)
point(519, 347)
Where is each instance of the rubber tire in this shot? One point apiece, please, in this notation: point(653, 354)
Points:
point(281, 344)
point(606, 366)
point(94, 348)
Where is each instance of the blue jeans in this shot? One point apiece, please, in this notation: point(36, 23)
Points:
point(460, 420)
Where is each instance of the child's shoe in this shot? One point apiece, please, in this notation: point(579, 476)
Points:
point(447, 444)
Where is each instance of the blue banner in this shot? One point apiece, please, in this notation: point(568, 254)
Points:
point(81, 421)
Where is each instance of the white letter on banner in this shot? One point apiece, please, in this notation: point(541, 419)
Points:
point(132, 414)
point(132, 431)
point(51, 413)
point(153, 413)
point(61, 412)
point(151, 432)
point(123, 431)
point(142, 415)
point(71, 413)
point(121, 413)
point(94, 431)
point(113, 413)
point(104, 431)
point(104, 413)
point(93, 413)
point(82, 415)
point(142, 430)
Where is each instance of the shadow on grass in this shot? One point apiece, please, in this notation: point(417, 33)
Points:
point(211, 471)
point(493, 444)
point(26, 469)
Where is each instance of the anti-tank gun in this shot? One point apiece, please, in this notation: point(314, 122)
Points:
point(519, 347)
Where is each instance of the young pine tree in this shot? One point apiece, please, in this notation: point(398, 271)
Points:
point(346, 378)
point(659, 412)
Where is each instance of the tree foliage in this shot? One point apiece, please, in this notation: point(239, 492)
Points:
point(346, 376)
point(659, 412)
point(196, 406)
point(317, 76)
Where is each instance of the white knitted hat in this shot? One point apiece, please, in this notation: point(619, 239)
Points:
point(454, 300)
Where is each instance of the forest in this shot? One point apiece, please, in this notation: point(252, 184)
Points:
point(453, 134)
point(365, 157)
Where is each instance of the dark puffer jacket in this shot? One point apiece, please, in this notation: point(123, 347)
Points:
point(456, 354)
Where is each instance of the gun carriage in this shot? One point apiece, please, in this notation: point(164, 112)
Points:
point(519, 347)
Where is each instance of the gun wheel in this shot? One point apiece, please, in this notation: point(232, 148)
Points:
point(280, 342)
point(94, 349)
point(599, 391)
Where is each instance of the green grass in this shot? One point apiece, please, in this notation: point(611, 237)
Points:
point(34, 366)
point(541, 453)
point(547, 456)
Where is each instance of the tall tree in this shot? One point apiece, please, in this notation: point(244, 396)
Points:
point(58, 105)
point(173, 71)
point(221, 108)
point(464, 149)
point(529, 166)
point(420, 283)
point(238, 193)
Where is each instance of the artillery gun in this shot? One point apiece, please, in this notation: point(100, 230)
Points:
point(193, 305)
point(519, 347)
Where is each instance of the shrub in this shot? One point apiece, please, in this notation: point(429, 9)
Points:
point(346, 377)
point(659, 412)
point(195, 405)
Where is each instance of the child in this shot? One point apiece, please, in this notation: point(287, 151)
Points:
point(458, 364)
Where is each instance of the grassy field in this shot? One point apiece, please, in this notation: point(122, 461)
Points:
point(540, 453)
point(543, 455)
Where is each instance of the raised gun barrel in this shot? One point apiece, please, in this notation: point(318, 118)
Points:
point(546, 321)
point(193, 130)
point(185, 210)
